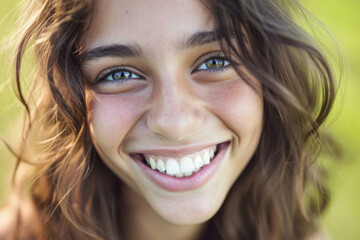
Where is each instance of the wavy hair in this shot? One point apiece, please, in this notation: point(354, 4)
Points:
point(279, 195)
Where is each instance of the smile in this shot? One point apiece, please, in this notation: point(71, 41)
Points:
point(181, 167)
point(181, 173)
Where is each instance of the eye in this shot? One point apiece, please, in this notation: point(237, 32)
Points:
point(215, 63)
point(118, 74)
point(118, 79)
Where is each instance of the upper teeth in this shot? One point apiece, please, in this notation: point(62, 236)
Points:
point(184, 166)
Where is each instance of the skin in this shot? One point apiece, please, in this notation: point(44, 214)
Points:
point(173, 105)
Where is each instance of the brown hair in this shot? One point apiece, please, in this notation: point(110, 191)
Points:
point(278, 196)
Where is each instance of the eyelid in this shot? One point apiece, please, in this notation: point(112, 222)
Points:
point(206, 57)
point(105, 73)
point(225, 62)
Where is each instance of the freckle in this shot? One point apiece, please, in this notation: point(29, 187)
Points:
point(102, 23)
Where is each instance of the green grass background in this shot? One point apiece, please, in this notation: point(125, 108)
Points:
point(342, 218)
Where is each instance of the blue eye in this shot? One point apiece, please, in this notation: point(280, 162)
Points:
point(213, 64)
point(120, 75)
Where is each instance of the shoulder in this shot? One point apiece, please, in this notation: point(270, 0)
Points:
point(320, 235)
point(8, 219)
point(19, 218)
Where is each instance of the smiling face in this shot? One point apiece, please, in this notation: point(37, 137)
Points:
point(167, 112)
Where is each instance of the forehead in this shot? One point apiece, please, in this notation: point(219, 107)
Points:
point(159, 22)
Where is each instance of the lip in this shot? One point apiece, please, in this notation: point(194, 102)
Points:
point(196, 180)
point(178, 151)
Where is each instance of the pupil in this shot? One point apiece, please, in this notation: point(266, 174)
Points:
point(121, 75)
point(215, 63)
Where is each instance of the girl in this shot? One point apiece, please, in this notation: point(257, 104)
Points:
point(169, 120)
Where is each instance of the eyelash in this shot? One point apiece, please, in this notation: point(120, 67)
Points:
point(113, 70)
point(216, 56)
point(102, 78)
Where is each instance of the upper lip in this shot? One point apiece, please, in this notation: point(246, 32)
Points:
point(177, 151)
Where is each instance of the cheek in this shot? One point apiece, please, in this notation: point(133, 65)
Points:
point(110, 118)
point(239, 107)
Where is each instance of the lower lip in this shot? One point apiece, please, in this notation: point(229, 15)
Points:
point(175, 184)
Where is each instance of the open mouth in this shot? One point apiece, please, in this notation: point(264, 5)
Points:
point(180, 167)
point(178, 173)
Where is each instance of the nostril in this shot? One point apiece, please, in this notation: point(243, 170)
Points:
point(177, 124)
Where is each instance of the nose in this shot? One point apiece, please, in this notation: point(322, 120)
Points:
point(175, 112)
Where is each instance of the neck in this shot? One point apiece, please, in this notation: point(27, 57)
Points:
point(140, 221)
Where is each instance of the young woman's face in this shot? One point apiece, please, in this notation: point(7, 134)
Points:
point(167, 112)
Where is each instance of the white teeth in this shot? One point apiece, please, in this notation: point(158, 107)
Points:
point(160, 165)
point(198, 162)
point(172, 166)
point(212, 153)
point(206, 157)
point(152, 163)
point(188, 164)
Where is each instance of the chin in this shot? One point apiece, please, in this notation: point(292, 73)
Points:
point(190, 213)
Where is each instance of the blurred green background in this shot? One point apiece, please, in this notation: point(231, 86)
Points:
point(342, 218)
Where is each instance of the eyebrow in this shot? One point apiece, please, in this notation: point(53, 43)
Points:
point(134, 50)
point(202, 38)
point(113, 50)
